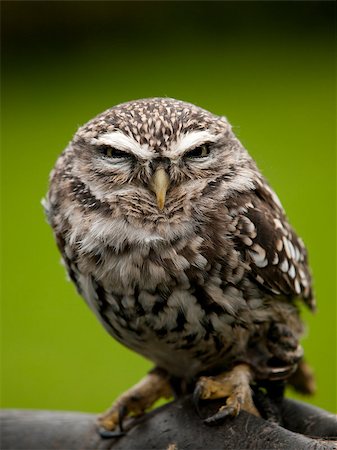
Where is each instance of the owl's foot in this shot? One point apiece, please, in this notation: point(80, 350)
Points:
point(134, 402)
point(235, 385)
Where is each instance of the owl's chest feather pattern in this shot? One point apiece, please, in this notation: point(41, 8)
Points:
point(172, 304)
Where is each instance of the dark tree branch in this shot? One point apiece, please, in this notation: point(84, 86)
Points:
point(176, 423)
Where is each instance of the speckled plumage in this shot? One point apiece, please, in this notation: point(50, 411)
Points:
point(210, 279)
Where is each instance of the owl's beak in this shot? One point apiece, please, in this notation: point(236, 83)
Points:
point(159, 184)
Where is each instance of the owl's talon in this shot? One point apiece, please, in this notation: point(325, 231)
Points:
point(122, 412)
point(221, 415)
point(233, 385)
point(196, 399)
point(134, 402)
point(281, 373)
point(107, 434)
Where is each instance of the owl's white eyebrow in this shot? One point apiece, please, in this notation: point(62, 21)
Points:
point(190, 141)
point(120, 141)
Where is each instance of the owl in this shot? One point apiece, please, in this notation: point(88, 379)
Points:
point(183, 251)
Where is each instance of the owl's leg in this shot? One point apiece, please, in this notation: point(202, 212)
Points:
point(135, 401)
point(235, 385)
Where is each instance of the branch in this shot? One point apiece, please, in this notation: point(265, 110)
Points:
point(306, 427)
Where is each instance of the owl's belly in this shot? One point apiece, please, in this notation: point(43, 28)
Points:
point(177, 333)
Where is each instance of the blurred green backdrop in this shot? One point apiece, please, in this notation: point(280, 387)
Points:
point(269, 67)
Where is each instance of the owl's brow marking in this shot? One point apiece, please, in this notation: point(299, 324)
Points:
point(189, 141)
point(120, 141)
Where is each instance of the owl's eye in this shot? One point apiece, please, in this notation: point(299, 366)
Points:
point(112, 152)
point(199, 152)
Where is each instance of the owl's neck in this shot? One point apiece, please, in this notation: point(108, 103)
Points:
point(119, 234)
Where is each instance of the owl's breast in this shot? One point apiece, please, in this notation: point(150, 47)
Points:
point(168, 302)
point(150, 304)
point(170, 328)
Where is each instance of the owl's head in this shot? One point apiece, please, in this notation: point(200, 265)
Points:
point(159, 160)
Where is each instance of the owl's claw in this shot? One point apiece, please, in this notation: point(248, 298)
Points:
point(122, 412)
point(282, 372)
point(196, 398)
point(106, 434)
point(234, 385)
point(134, 402)
point(221, 415)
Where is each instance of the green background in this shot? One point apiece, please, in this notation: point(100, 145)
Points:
point(269, 67)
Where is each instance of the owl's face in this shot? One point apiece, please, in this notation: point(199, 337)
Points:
point(160, 160)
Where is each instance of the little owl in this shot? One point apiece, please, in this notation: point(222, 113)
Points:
point(184, 253)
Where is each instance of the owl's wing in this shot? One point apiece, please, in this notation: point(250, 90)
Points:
point(269, 246)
